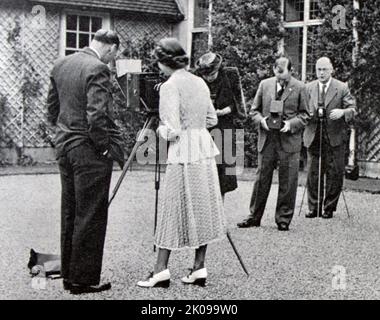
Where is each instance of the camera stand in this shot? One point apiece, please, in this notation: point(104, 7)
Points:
point(148, 125)
point(319, 203)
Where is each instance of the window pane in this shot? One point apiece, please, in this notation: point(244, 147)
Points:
point(294, 10)
point(71, 40)
point(199, 45)
point(71, 22)
point(201, 12)
point(84, 23)
point(315, 9)
point(293, 47)
point(84, 40)
point(68, 52)
point(96, 24)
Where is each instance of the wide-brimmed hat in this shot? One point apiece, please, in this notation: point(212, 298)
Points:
point(209, 63)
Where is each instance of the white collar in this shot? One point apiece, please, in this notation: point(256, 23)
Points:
point(96, 51)
point(279, 85)
point(327, 84)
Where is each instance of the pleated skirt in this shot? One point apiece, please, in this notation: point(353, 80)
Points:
point(191, 210)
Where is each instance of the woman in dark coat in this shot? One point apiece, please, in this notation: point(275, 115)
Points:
point(226, 94)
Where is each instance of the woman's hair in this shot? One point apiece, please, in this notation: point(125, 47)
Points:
point(170, 53)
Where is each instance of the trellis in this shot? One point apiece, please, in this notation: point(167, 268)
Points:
point(25, 61)
point(32, 55)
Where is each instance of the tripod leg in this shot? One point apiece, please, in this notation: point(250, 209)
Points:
point(237, 253)
point(345, 204)
point(320, 168)
point(157, 177)
point(335, 165)
point(303, 197)
point(139, 141)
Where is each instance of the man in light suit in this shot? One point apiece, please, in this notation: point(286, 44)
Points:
point(281, 144)
point(338, 106)
point(87, 142)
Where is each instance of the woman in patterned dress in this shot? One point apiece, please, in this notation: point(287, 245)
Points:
point(191, 208)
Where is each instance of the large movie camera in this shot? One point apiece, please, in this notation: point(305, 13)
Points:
point(141, 90)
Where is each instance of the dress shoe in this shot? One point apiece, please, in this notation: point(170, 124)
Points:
point(327, 215)
point(66, 284)
point(80, 289)
point(161, 279)
point(311, 214)
point(247, 223)
point(197, 277)
point(283, 226)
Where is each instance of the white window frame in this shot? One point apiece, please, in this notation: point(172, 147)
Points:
point(304, 24)
point(106, 24)
point(194, 29)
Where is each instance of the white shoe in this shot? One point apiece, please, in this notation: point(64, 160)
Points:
point(197, 277)
point(161, 279)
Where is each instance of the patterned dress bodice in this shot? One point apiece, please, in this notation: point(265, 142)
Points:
point(186, 111)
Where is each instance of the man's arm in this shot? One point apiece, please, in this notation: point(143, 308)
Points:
point(301, 120)
point(257, 107)
point(347, 108)
point(349, 105)
point(52, 102)
point(98, 99)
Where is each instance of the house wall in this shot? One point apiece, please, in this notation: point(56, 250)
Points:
point(137, 26)
point(21, 118)
point(182, 30)
point(30, 56)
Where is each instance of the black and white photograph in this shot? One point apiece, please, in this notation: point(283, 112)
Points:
point(209, 152)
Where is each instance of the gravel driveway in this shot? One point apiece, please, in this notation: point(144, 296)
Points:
point(303, 263)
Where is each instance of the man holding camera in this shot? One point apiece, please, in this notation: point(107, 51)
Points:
point(280, 109)
point(332, 106)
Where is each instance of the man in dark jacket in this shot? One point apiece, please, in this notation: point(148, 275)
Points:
point(80, 106)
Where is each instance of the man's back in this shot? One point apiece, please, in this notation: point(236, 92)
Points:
point(82, 87)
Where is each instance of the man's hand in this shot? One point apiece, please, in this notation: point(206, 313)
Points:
point(286, 127)
point(263, 123)
point(336, 114)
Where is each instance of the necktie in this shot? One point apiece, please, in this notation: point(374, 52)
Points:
point(323, 96)
point(280, 92)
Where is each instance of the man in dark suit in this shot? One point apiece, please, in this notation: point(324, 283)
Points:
point(279, 100)
point(87, 141)
point(338, 107)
